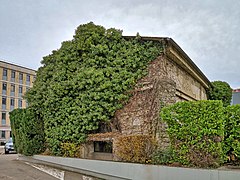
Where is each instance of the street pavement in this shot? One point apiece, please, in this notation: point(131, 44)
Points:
point(13, 169)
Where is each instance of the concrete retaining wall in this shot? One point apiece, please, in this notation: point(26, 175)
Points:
point(116, 170)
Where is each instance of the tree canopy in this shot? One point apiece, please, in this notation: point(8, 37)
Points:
point(221, 91)
point(85, 81)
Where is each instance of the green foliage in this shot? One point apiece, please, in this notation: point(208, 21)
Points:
point(220, 91)
point(86, 81)
point(196, 132)
point(134, 148)
point(164, 156)
point(27, 131)
point(232, 131)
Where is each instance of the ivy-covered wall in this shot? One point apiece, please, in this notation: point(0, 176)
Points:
point(82, 84)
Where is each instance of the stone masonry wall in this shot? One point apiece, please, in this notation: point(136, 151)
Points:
point(159, 88)
point(141, 114)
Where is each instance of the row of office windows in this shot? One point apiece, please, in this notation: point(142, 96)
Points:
point(12, 103)
point(13, 76)
point(12, 91)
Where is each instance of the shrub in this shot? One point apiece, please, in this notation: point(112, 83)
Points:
point(134, 148)
point(27, 131)
point(232, 131)
point(162, 156)
point(71, 150)
point(196, 131)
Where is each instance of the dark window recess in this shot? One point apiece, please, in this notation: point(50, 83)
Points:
point(20, 76)
point(4, 86)
point(13, 74)
point(4, 100)
point(103, 146)
point(20, 89)
point(12, 102)
point(28, 77)
point(4, 72)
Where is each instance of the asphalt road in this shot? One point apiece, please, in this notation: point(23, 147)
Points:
point(13, 169)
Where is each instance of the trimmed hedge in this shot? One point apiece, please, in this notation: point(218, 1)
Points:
point(196, 131)
point(232, 131)
point(134, 148)
point(27, 131)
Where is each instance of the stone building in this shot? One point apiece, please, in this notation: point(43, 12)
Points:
point(172, 77)
point(14, 82)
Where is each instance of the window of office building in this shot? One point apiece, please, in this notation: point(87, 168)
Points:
point(20, 77)
point(12, 103)
point(4, 102)
point(4, 74)
point(13, 74)
point(3, 134)
point(20, 103)
point(20, 90)
point(3, 118)
point(12, 90)
point(4, 88)
point(28, 77)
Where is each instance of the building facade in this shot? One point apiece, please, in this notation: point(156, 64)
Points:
point(172, 77)
point(14, 82)
point(236, 96)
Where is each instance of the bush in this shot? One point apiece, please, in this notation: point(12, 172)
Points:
point(162, 156)
point(196, 132)
point(134, 148)
point(232, 131)
point(71, 150)
point(27, 131)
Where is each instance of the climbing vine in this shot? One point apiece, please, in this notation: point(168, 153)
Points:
point(85, 81)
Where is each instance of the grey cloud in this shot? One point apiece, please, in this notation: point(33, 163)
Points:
point(206, 30)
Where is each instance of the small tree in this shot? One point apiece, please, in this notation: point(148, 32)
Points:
point(220, 91)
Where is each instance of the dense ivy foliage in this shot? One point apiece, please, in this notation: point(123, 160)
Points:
point(27, 131)
point(196, 131)
point(86, 81)
point(232, 131)
point(220, 91)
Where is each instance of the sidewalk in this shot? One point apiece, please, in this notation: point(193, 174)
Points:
point(1, 150)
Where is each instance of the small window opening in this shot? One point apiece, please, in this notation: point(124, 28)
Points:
point(103, 146)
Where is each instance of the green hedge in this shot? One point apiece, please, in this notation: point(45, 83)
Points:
point(232, 130)
point(27, 131)
point(196, 131)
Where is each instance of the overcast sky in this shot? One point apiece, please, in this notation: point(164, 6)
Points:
point(207, 30)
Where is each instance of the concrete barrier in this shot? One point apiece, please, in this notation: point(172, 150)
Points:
point(117, 170)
